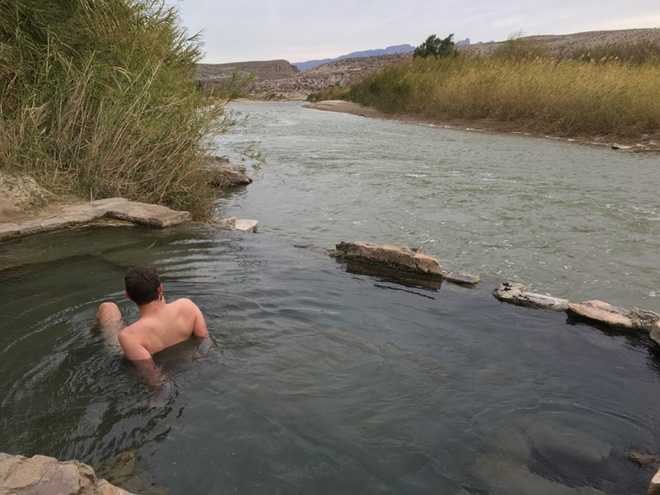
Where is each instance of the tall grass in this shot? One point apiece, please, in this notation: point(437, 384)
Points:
point(564, 96)
point(98, 99)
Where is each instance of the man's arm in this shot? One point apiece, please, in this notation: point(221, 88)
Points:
point(141, 358)
point(199, 323)
point(133, 349)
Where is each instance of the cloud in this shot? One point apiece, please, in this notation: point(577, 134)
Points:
point(303, 29)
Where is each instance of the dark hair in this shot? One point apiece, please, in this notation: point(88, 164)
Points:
point(142, 284)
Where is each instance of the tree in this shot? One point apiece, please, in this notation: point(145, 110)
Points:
point(436, 47)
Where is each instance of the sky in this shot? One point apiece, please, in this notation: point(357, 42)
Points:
point(299, 30)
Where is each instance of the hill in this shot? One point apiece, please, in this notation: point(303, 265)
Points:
point(210, 75)
point(564, 44)
point(378, 52)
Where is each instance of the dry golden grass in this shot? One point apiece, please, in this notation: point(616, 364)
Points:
point(569, 97)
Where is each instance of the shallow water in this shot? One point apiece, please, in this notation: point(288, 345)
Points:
point(327, 382)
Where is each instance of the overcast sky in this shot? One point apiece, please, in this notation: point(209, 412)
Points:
point(299, 30)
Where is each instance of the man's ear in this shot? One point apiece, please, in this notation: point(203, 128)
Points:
point(161, 292)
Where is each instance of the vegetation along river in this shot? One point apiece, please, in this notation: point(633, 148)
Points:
point(327, 382)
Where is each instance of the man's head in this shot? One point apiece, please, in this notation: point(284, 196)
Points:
point(143, 285)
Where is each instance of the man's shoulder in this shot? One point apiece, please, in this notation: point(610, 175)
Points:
point(135, 328)
point(184, 302)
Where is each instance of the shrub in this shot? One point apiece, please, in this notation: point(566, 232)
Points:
point(98, 99)
point(436, 47)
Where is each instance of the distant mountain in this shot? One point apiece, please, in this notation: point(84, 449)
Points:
point(378, 52)
point(390, 50)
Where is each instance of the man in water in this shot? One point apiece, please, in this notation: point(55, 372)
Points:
point(160, 325)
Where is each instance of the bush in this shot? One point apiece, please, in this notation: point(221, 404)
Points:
point(436, 47)
point(98, 99)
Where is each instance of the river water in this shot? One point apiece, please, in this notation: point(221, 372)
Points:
point(323, 381)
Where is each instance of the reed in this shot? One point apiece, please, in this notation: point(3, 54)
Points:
point(98, 99)
point(566, 96)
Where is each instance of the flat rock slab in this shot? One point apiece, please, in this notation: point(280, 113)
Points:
point(516, 293)
point(240, 224)
point(393, 257)
point(39, 474)
point(85, 213)
point(614, 316)
point(142, 213)
point(461, 278)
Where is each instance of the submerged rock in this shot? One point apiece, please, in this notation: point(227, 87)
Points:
point(124, 470)
point(642, 459)
point(240, 224)
point(393, 257)
point(39, 474)
point(566, 446)
point(516, 293)
point(505, 477)
point(461, 278)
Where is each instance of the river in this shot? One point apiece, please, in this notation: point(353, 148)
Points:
point(327, 382)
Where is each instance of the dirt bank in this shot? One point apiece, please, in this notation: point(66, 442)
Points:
point(644, 144)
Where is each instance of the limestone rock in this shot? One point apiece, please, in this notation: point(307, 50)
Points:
point(602, 312)
point(393, 257)
point(614, 316)
point(39, 474)
point(654, 489)
point(516, 293)
point(644, 319)
point(86, 213)
point(240, 224)
point(146, 214)
point(461, 278)
point(20, 192)
point(222, 174)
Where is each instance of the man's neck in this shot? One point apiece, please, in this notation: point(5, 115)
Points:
point(151, 308)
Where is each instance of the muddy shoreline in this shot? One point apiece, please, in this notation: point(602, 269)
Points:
point(645, 144)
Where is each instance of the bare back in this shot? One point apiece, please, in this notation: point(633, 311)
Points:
point(161, 326)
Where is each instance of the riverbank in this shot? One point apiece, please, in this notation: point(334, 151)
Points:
point(28, 209)
point(520, 88)
point(93, 112)
point(644, 144)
